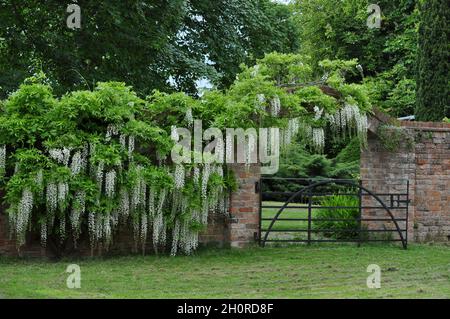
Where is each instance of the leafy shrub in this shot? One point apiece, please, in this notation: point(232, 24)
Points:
point(339, 229)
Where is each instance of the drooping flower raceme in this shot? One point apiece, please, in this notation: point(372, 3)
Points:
point(196, 174)
point(204, 192)
point(110, 184)
point(124, 204)
point(350, 116)
point(111, 131)
point(131, 146)
point(77, 163)
point(52, 198)
point(66, 156)
point(2, 159)
point(291, 131)
point(151, 203)
point(99, 175)
point(317, 113)
point(318, 138)
point(78, 210)
point(123, 142)
point(275, 106)
point(23, 216)
point(57, 155)
point(158, 223)
point(179, 176)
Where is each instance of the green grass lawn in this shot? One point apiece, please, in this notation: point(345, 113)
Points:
point(318, 271)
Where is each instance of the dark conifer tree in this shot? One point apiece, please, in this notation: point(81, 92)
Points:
point(433, 64)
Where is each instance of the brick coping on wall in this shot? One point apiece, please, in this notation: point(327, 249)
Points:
point(427, 126)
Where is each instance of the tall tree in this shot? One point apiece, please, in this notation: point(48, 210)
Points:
point(433, 74)
point(149, 44)
point(118, 40)
point(231, 32)
point(337, 29)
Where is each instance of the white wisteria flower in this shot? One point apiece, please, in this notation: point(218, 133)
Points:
point(317, 113)
point(124, 204)
point(131, 146)
point(318, 138)
point(111, 131)
point(261, 101)
point(63, 192)
point(123, 142)
point(77, 163)
point(275, 106)
point(99, 175)
point(110, 184)
point(52, 197)
point(179, 176)
point(2, 159)
point(24, 211)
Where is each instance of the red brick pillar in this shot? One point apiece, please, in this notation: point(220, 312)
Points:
point(244, 206)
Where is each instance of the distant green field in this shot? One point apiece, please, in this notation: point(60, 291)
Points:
point(287, 213)
point(283, 224)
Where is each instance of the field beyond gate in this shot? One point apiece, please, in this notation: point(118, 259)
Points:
point(331, 211)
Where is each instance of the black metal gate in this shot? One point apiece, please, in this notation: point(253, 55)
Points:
point(305, 215)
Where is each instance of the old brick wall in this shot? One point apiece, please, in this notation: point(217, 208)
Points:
point(217, 234)
point(244, 206)
point(426, 164)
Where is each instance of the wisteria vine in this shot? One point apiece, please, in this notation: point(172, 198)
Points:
point(92, 163)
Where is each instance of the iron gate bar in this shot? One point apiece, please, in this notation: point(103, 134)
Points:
point(359, 214)
point(326, 182)
point(335, 207)
point(333, 230)
point(332, 194)
point(329, 240)
point(309, 215)
point(260, 209)
point(407, 210)
point(340, 219)
point(320, 179)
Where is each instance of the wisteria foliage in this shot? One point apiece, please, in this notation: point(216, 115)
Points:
point(91, 163)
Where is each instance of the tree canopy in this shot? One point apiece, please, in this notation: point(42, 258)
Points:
point(142, 43)
point(337, 29)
